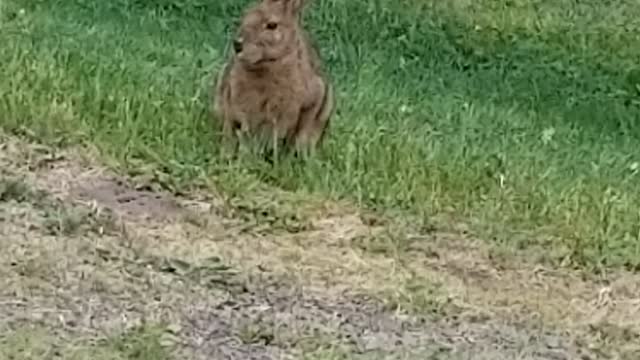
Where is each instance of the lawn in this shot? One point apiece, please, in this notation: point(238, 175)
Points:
point(519, 118)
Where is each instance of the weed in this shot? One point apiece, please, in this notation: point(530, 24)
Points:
point(28, 343)
point(253, 333)
point(62, 219)
point(15, 190)
point(39, 343)
point(140, 343)
point(332, 353)
point(418, 295)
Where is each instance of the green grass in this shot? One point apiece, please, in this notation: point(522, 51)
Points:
point(520, 117)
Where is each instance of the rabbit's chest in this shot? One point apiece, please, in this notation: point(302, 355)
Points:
point(267, 100)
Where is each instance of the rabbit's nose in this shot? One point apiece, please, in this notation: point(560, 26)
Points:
point(237, 45)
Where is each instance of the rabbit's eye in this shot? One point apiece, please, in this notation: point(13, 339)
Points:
point(271, 25)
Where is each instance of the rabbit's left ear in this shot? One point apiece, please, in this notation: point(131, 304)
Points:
point(290, 7)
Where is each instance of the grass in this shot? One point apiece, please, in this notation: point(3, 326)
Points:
point(519, 117)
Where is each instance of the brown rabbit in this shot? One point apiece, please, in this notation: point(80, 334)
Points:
point(273, 85)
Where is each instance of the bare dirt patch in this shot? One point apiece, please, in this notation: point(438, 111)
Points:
point(222, 285)
point(114, 194)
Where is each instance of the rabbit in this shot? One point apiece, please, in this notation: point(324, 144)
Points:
point(273, 85)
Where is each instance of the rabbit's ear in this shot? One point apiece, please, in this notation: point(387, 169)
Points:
point(295, 6)
point(289, 7)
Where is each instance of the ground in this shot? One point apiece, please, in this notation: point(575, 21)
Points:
point(98, 265)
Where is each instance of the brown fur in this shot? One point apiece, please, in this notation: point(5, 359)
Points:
point(273, 85)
